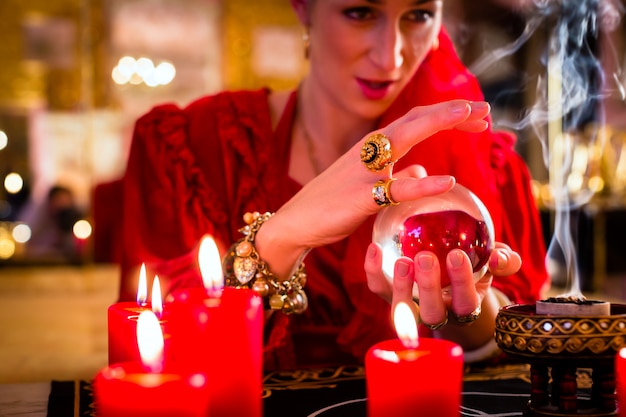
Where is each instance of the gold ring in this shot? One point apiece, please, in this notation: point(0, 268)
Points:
point(376, 152)
point(438, 325)
point(468, 318)
point(381, 194)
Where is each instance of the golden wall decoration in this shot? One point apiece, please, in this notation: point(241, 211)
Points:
point(251, 57)
point(52, 53)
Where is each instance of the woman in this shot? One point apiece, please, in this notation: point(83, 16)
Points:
point(304, 155)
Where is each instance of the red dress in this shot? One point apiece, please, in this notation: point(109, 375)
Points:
point(197, 170)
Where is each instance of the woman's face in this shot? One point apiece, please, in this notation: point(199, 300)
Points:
point(363, 52)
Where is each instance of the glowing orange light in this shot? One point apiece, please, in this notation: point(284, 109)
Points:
point(13, 183)
point(150, 340)
point(210, 265)
point(406, 325)
point(4, 140)
point(82, 229)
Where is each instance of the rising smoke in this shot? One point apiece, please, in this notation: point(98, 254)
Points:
point(569, 96)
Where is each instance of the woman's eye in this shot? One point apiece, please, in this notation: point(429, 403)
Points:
point(420, 16)
point(359, 13)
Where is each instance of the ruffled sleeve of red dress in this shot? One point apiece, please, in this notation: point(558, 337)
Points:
point(190, 171)
point(163, 202)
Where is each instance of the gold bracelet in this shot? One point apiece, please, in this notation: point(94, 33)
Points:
point(244, 268)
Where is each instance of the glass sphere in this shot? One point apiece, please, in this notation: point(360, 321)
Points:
point(440, 223)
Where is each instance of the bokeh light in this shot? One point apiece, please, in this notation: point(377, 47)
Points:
point(21, 233)
point(13, 183)
point(4, 140)
point(143, 70)
point(7, 245)
point(82, 229)
point(165, 73)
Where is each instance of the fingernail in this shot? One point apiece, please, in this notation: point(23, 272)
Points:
point(425, 262)
point(371, 252)
point(479, 105)
point(444, 179)
point(456, 258)
point(402, 268)
point(459, 108)
point(502, 260)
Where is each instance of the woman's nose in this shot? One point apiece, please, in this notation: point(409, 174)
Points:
point(387, 47)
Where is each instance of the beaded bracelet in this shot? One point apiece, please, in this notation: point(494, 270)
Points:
point(244, 268)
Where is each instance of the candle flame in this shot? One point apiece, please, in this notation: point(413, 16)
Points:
point(406, 325)
point(157, 299)
point(150, 340)
point(210, 265)
point(142, 287)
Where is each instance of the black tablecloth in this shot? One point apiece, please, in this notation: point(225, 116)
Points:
point(501, 391)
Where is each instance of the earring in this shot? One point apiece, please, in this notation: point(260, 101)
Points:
point(435, 44)
point(307, 44)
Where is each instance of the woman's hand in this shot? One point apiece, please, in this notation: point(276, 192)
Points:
point(462, 298)
point(334, 204)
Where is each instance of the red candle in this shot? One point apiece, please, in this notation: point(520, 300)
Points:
point(620, 380)
point(122, 321)
point(219, 332)
point(143, 389)
point(407, 377)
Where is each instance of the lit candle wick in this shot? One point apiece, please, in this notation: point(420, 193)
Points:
point(142, 287)
point(157, 299)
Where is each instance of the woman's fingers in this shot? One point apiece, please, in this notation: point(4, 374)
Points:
point(428, 278)
point(480, 109)
point(448, 114)
point(462, 298)
point(408, 189)
point(422, 122)
point(403, 281)
point(412, 171)
point(465, 298)
point(376, 280)
point(504, 261)
point(473, 126)
point(351, 193)
point(403, 273)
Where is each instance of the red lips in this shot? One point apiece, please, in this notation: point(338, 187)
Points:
point(374, 90)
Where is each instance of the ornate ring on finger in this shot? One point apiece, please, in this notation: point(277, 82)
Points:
point(376, 152)
point(381, 194)
point(436, 326)
point(467, 318)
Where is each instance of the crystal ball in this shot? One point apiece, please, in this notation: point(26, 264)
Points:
point(440, 223)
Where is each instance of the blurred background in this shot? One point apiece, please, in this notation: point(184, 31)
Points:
point(75, 74)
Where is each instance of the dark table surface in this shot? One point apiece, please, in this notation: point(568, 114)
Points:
point(490, 391)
